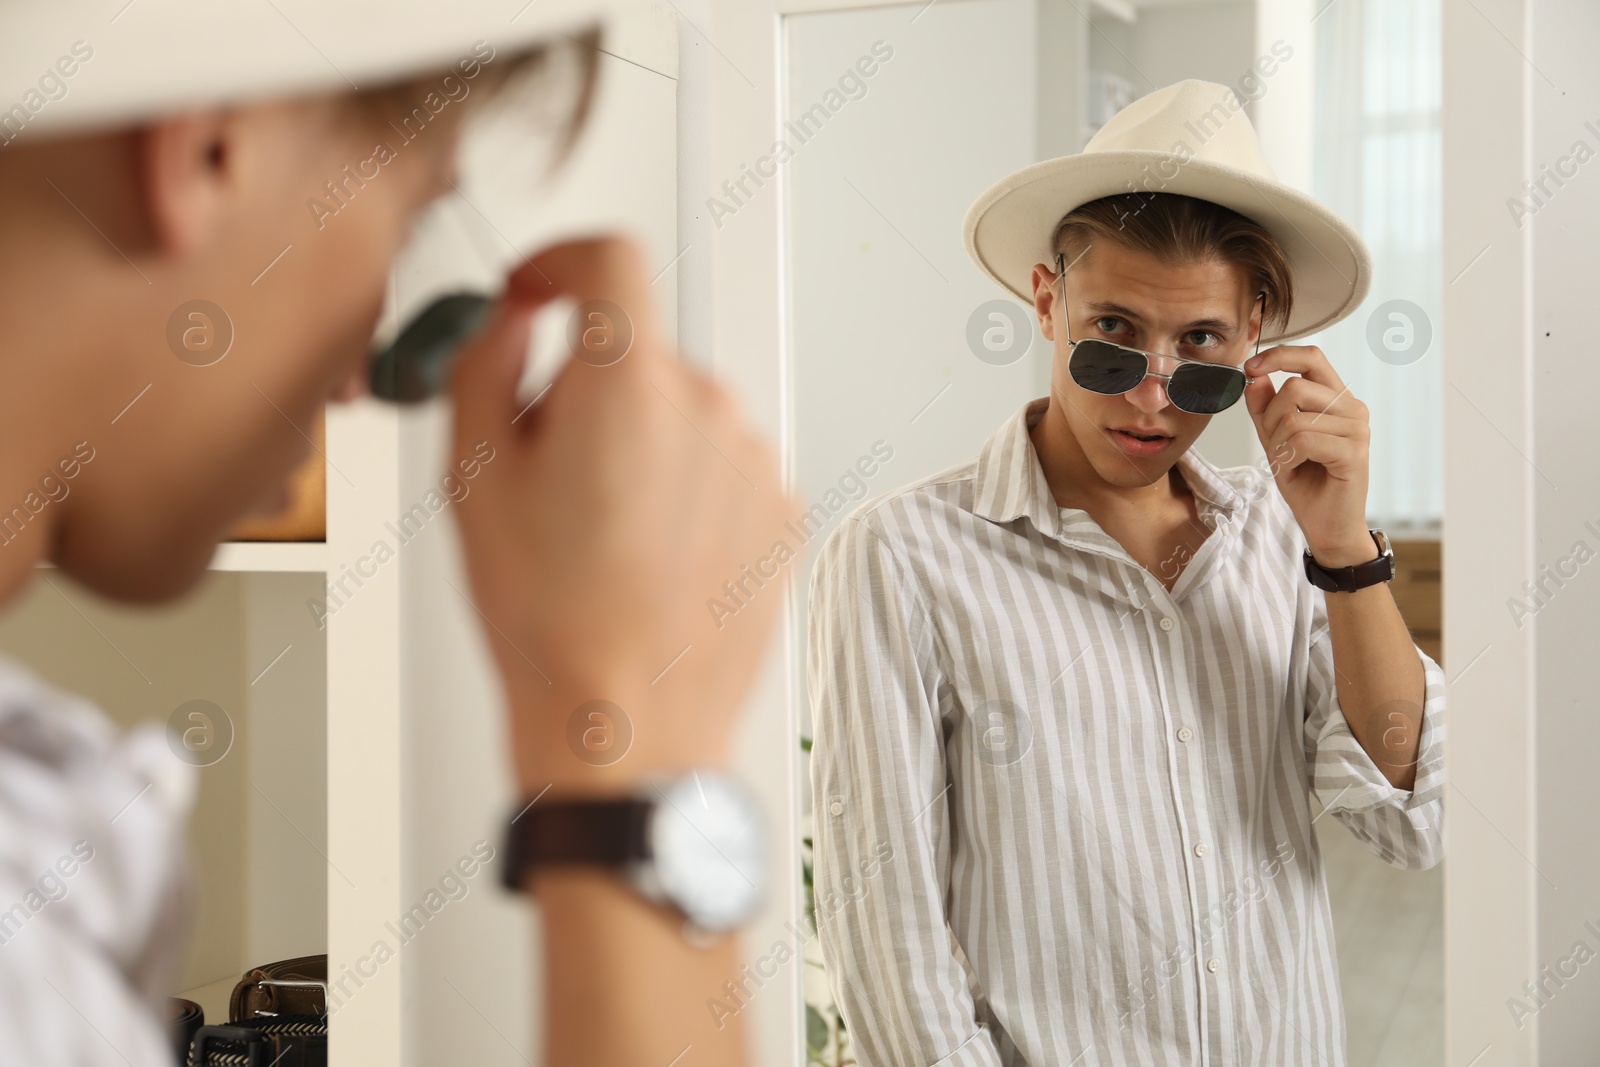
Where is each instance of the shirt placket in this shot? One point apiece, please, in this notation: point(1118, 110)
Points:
point(1165, 628)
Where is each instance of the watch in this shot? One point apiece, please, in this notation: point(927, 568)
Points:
point(694, 843)
point(1356, 576)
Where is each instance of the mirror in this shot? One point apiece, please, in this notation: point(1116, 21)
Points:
point(1033, 874)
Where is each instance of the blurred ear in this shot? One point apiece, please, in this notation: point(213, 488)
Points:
point(187, 163)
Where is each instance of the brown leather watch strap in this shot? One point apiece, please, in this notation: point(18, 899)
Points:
point(1356, 576)
point(608, 833)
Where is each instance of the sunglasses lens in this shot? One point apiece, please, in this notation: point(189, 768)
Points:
point(1104, 368)
point(1203, 390)
point(416, 365)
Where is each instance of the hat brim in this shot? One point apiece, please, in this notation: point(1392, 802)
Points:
point(1008, 227)
point(148, 59)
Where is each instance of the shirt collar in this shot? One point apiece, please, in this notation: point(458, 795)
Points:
point(1011, 483)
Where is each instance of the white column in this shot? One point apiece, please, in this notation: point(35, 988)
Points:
point(1522, 885)
point(364, 731)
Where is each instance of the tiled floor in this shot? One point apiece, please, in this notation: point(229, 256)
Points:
point(1389, 926)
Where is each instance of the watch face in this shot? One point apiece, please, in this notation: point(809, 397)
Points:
point(706, 835)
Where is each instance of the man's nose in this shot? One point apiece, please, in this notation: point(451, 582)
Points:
point(1150, 395)
point(355, 386)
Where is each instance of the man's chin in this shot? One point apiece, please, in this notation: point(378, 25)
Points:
point(1131, 472)
point(273, 504)
point(132, 575)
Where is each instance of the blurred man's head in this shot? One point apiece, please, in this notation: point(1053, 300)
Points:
point(122, 246)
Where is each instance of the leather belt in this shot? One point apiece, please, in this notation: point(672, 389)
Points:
point(279, 1041)
point(277, 1017)
point(288, 987)
point(185, 1020)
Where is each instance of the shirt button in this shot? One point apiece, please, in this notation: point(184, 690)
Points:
point(1199, 850)
point(837, 807)
point(1166, 622)
point(1212, 964)
point(1185, 734)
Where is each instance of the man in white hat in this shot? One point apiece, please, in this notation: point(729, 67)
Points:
point(1086, 684)
point(154, 151)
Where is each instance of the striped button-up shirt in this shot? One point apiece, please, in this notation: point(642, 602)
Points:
point(1063, 815)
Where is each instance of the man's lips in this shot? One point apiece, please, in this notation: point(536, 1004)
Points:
point(1143, 444)
point(1147, 432)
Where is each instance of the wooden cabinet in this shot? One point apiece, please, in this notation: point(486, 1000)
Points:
point(1416, 589)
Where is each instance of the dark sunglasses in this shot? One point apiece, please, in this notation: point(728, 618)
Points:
point(416, 364)
point(1195, 385)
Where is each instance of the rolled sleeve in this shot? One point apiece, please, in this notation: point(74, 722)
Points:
point(882, 832)
point(1402, 827)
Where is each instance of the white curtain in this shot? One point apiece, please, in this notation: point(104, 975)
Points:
point(1376, 161)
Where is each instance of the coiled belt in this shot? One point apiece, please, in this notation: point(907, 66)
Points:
point(277, 1017)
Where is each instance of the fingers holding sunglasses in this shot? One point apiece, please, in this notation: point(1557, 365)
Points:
point(1304, 395)
point(1318, 435)
point(1338, 443)
point(1306, 360)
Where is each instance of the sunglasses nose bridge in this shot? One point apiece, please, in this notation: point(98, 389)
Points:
point(1152, 360)
point(1149, 393)
point(1155, 359)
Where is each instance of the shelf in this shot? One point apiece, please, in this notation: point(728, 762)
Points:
point(297, 556)
point(283, 557)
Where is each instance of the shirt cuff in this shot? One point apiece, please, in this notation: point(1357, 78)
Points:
point(1348, 779)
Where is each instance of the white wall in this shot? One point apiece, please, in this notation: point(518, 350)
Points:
point(284, 667)
point(1566, 378)
point(1524, 874)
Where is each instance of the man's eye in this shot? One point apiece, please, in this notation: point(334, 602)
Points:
point(1202, 333)
point(1100, 323)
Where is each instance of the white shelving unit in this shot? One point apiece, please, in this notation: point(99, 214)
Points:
point(269, 557)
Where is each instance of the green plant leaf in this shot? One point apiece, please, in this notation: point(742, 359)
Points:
point(816, 1033)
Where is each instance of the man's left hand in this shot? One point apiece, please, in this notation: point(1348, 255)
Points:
point(1316, 434)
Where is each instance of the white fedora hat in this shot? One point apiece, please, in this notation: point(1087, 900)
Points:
point(98, 63)
point(1192, 138)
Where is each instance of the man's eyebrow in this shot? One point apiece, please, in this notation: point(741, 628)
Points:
point(1111, 308)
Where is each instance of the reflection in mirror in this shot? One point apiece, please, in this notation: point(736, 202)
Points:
point(1075, 707)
